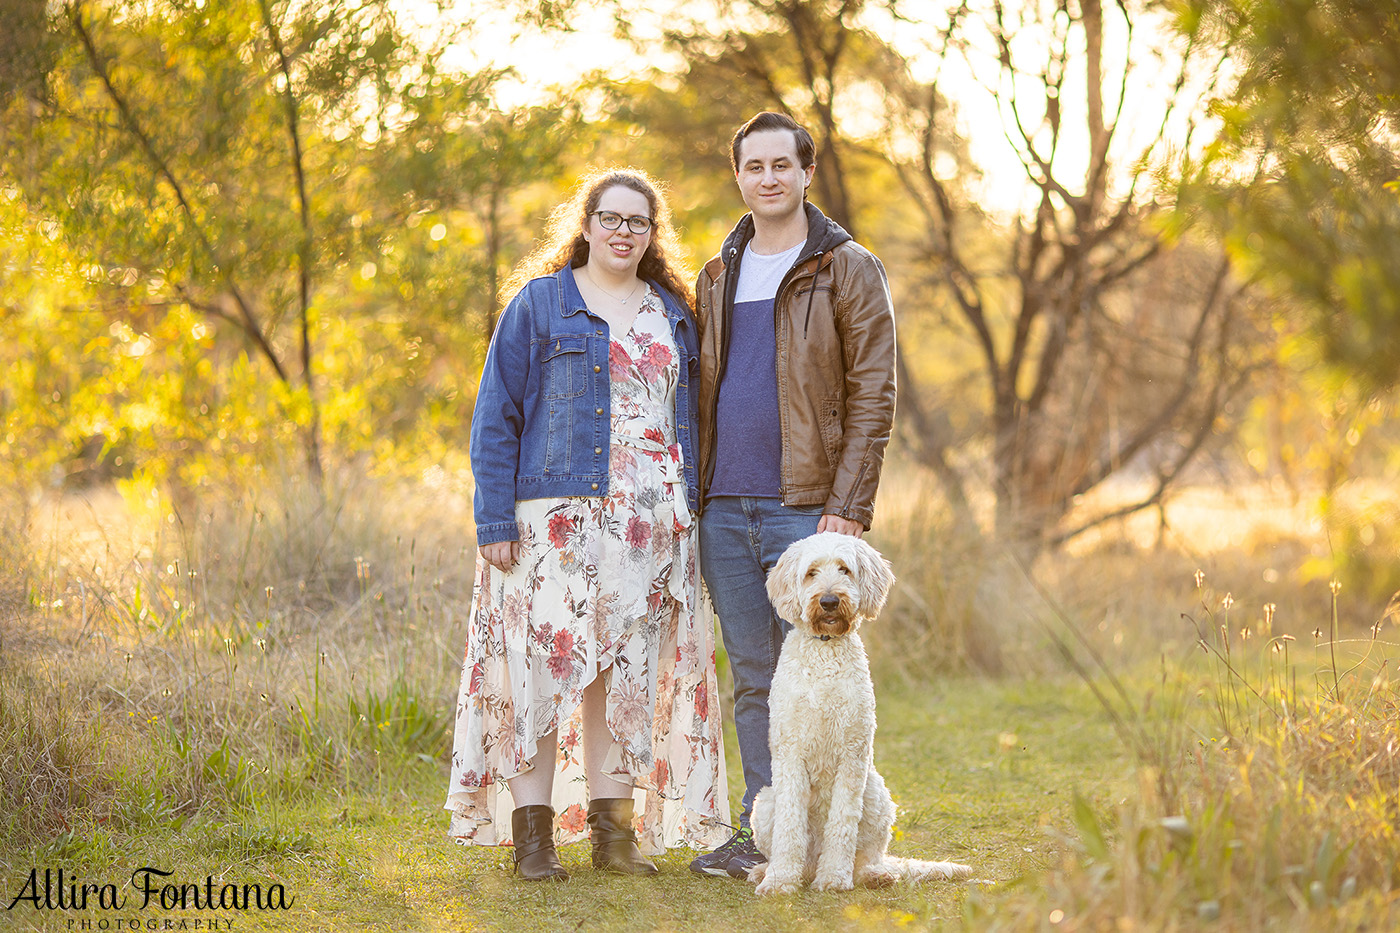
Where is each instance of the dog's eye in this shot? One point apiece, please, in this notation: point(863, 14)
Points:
point(811, 572)
point(846, 570)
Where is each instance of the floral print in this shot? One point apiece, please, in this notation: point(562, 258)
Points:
point(606, 587)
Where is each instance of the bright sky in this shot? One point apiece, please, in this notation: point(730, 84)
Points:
point(542, 59)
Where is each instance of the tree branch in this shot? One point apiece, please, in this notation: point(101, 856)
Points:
point(166, 173)
point(1110, 460)
point(304, 247)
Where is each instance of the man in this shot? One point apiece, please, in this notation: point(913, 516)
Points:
point(796, 396)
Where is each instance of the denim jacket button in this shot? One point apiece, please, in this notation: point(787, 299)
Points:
point(597, 369)
point(597, 411)
point(595, 485)
point(597, 450)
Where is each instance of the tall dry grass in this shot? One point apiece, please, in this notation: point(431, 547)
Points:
point(1255, 691)
point(163, 661)
point(959, 602)
point(1268, 784)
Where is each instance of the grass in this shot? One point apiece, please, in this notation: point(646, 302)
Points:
point(261, 694)
point(1267, 792)
point(374, 856)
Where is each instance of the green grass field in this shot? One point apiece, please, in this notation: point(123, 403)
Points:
point(370, 852)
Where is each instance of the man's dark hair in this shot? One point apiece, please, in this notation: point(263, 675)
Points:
point(767, 120)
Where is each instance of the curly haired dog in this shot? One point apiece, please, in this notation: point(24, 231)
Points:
point(826, 817)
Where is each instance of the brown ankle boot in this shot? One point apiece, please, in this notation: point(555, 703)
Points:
point(536, 859)
point(614, 843)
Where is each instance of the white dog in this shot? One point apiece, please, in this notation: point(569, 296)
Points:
point(826, 818)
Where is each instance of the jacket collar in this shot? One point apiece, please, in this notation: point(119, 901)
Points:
point(570, 298)
point(823, 235)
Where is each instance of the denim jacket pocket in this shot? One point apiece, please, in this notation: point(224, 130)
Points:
point(566, 366)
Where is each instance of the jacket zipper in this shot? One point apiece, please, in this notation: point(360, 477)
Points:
point(855, 484)
point(812, 293)
point(777, 308)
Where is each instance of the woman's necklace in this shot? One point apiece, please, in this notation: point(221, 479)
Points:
point(623, 302)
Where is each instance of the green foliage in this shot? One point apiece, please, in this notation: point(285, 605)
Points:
point(146, 806)
point(229, 771)
point(396, 720)
point(249, 842)
point(212, 265)
point(1366, 540)
point(1312, 118)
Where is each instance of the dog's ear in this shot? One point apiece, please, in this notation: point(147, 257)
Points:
point(875, 578)
point(782, 585)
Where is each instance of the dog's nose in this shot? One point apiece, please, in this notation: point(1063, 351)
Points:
point(829, 602)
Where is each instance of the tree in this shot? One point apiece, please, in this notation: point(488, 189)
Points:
point(276, 225)
point(1086, 366)
point(1306, 180)
point(180, 145)
point(1305, 186)
point(458, 151)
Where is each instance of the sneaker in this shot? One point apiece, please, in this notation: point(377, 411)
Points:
point(733, 859)
point(741, 862)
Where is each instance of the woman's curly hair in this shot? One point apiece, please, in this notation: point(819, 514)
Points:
point(564, 243)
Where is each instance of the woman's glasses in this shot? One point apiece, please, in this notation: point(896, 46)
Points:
point(611, 220)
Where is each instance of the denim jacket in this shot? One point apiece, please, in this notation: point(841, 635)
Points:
point(541, 424)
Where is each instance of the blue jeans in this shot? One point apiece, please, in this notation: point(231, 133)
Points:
point(741, 538)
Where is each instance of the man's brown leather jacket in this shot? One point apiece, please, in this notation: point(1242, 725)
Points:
point(836, 366)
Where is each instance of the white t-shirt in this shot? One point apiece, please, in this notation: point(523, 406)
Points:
point(760, 275)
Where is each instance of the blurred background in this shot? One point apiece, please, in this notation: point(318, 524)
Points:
point(1143, 256)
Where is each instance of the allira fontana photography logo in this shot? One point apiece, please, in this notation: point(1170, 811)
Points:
point(148, 889)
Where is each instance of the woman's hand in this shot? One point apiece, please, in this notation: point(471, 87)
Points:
point(503, 555)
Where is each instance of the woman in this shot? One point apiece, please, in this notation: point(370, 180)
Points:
point(585, 626)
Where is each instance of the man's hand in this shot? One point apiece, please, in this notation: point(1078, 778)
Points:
point(503, 555)
point(843, 526)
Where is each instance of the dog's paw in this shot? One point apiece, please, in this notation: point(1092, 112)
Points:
point(758, 872)
point(771, 885)
point(832, 882)
point(877, 877)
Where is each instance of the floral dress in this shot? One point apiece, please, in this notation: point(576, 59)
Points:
point(605, 587)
